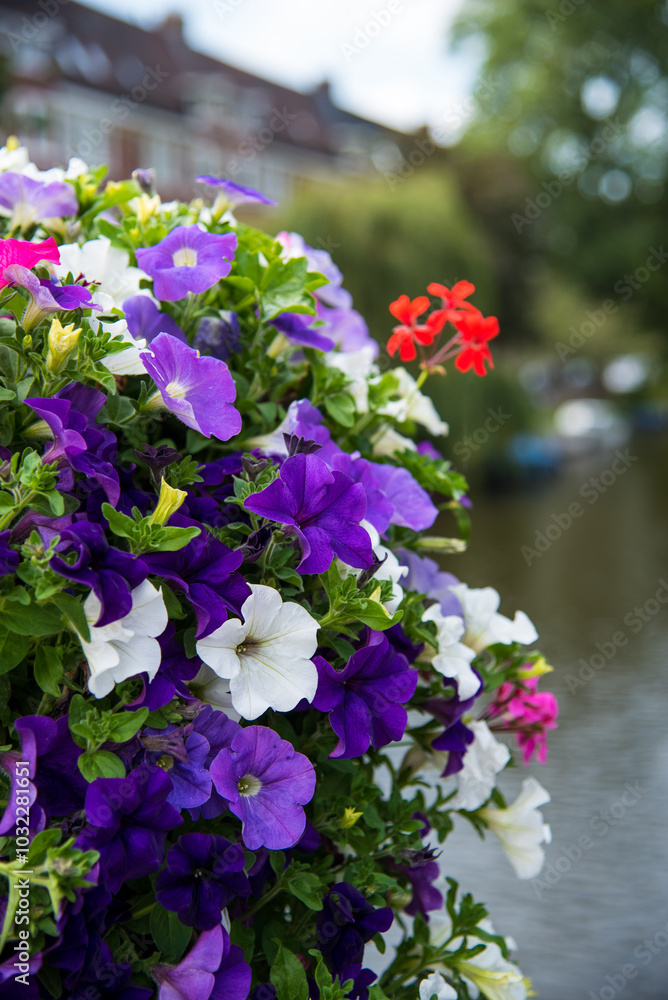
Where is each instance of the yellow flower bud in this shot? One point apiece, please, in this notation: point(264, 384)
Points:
point(62, 341)
point(433, 543)
point(12, 143)
point(145, 206)
point(534, 669)
point(279, 344)
point(350, 817)
point(169, 501)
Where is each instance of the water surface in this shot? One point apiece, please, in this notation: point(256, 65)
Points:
point(601, 928)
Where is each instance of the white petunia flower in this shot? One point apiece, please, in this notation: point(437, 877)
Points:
point(493, 975)
point(435, 985)
point(483, 761)
point(391, 569)
point(14, 158)
point(413, 405)
point(213, 690)
point(267, 657)
point(127, 362)
point(358, 366)
point(453, 659)
point(484, 626)
point(488, 972)
point(521, 830)
point(388, 441)
point(126, 647)
point(106, 265)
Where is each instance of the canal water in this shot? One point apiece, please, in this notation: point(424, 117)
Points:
point(596, 924)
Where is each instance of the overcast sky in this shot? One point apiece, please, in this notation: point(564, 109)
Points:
point(386, 59)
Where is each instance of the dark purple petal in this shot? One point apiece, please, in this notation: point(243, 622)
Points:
point(145, 320)
point(326, 508)
point(368, 707)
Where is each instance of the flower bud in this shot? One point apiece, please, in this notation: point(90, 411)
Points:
point(349, 818)
point(536, 668)
point(169, 501)
point(62, 341)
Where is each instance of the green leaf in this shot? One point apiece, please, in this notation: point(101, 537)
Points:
point(170, 935)
point(375, 616)
point(283, 289)
point(33, 620)
point(12, 649)
point(341, 407)
point(288, 976)
point(101, 764)
point(123, 727)
point(49, 668)
point(73, 610)
point(173, 539)
point(376, 993)
point(307, 887)
point(120, 524)
point(79, 709)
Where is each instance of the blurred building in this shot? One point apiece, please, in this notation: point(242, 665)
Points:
point(80, 83)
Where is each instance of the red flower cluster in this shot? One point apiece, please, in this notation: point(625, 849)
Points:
point(469, 345)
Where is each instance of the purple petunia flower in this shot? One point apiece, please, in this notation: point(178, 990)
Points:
point(204, 874)
point(205, 570)
point(55, 784)
point(31, 201)
point(456, 738)
point(421, 870)
point(346, 327)
point(379, 507)
point(302, 420)
point(266, 784)
point(69, 296)
point(188, 259)
point(10, 989)
point(145, 320)
point(345, 924)
point(219, 731)
point(41, 300)
point(218, 336)
point(232, 979)
point(213, 969)
point(299, 328)
point(111, 573)
point(9, 557)
point(199, 390)
point(192, 979)
point(79, 443)
point(331, 294)
point(412, 506)
point(127, 822)
point(103, 979)
point(182, 754)
point(235, 194)
point(324, 508)
point(426, 577)
point(365, 699)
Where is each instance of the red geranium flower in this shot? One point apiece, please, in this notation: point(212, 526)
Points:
point(404, 336)
point(25, 253)
point(453, 300)
point(475, 331)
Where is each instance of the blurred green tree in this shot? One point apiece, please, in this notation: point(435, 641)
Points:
point(567, 158)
